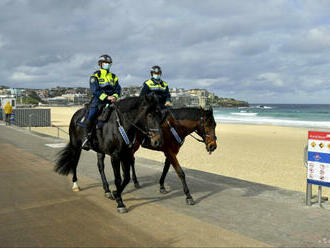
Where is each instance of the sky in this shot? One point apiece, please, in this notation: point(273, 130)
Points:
point(260, 51)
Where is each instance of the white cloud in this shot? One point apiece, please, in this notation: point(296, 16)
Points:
point(22, 76)
point(271, 78)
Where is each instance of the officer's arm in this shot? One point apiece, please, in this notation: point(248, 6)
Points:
point(144, 90)
point(95, 89)
point(168, 95)
point(117, 90)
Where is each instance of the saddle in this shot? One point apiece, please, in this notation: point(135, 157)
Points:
point(103, 114)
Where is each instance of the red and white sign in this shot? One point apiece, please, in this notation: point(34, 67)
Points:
point(312, 135)
point(318, 170)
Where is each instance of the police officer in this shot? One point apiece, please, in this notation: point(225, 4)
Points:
point(157, 86)
point(105, 88)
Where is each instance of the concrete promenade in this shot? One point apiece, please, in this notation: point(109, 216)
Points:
point(38, 208)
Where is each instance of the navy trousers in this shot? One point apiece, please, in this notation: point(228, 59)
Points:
point(92, 113)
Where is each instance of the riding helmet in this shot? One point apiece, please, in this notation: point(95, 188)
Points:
point(155, 69)
point(104, 58)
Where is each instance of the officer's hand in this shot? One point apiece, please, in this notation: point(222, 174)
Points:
point(168, 103)
point(111, 98)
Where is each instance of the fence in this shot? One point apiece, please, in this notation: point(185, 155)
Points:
point(31, 117)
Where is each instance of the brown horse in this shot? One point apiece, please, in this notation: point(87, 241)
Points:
point(184, 121)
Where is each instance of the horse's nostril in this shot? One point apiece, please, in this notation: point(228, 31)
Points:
point(213, 147)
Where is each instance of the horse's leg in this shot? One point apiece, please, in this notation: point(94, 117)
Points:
point(75, 187)
point(126, 171)
point(127, 177)
point(181, 175)
point(100, 165)
point(162, 178)
point(134, 178)
point(121, 208)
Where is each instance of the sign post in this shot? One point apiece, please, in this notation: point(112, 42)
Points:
point(318, 164)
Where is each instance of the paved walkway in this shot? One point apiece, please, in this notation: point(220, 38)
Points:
point(38, 208)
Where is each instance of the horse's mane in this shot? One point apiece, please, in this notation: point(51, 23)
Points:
point(128, 103)
point(187, 113)
point(190, 113)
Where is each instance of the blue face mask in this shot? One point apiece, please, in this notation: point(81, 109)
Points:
point(106, 66)
point(156, 76)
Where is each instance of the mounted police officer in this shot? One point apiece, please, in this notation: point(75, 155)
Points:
point(157, 86)
point(105, 88)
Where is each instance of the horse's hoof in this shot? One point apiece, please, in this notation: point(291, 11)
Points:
point(190, 201)
point(162, 190)
point(108, 195)
point(137, 185)
point(76, 189)
point(122, 210)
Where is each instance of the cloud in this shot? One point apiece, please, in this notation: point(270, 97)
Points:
point(253, 50)
point(22, 76)
point(271, 78)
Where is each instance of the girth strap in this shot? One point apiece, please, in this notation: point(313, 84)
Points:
point(121, 129)
point(175, 134)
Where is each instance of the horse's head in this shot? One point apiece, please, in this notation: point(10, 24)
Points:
point(151, 117)
point(206, 129)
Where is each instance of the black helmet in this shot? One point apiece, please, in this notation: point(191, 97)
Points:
point(155, 69)
point(104, 58)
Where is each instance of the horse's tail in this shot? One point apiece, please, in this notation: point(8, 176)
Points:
point(67, 159)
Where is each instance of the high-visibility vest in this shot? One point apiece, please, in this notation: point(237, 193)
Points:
point(106, 78)
point(156, 87)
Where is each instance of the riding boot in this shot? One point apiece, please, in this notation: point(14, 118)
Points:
point(87, 134)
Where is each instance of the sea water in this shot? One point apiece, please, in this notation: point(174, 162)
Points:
point(295, 115)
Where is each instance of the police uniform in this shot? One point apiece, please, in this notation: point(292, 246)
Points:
point(102, 84)
point(159, 88)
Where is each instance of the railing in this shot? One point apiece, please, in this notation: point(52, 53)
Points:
point(52, 125)
point(58, 131)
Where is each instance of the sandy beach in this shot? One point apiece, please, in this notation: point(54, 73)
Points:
point(271, 155)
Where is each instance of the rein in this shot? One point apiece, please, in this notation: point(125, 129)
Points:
point(200, 140)
point(130, 122)
point(122, 131)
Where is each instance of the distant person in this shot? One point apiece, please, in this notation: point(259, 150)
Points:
point(8, 111)
point(105, 88)
point(157, 86)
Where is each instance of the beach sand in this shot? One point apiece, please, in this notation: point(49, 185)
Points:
point(271, 155)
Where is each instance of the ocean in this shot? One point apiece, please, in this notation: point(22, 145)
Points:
point(294, 115)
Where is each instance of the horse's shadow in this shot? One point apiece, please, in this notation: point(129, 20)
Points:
point(91, 186)
point(203, 186)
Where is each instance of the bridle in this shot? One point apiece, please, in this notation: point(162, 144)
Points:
point(202, 128)
point(203, 134)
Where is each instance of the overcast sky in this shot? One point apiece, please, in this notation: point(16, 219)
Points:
point(260, 51)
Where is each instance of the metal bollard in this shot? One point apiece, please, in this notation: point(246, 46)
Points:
point(30, 122)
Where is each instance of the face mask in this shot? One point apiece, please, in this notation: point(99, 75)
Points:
point(106, 66)
point(156, 76)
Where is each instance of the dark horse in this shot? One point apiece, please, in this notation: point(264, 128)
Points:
point(138, 116)
point(184, 121)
